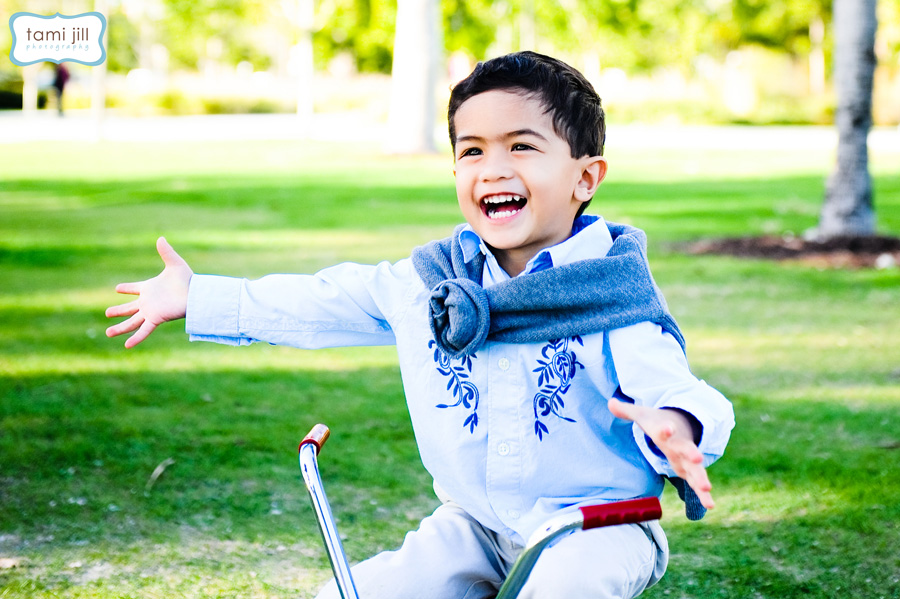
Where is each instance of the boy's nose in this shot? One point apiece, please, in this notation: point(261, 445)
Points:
point(496, 167)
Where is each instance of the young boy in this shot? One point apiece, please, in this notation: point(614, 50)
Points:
point(541, 368)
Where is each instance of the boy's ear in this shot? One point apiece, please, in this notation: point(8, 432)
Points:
point(592, 174)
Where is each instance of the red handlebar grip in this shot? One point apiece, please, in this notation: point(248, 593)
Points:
point(621, 512)
point(317, 436)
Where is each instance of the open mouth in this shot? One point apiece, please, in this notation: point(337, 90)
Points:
point(502, 205)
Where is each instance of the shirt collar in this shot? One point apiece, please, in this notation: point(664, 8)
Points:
point(590, 239)
point(471, 244)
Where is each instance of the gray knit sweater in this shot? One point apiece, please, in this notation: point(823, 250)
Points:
point(580, 298)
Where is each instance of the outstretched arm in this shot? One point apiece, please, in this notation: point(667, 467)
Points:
point(673, 434)
point(160, 299)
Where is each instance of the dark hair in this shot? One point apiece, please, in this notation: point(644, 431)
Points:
point(569, 98)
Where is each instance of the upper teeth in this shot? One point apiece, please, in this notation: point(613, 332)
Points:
point(502, 198)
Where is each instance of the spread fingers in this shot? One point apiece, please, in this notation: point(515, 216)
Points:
point(125, 326)
point(129, 288)
point(122, 309)
point(142, 333)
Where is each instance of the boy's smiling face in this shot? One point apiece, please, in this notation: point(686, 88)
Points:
point(518, 186)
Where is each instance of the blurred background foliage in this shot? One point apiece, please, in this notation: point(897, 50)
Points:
point(744, 61)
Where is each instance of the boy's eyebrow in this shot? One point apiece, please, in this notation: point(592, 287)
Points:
point(516, 133)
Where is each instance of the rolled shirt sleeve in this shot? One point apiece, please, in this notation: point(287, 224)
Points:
point(653, 371)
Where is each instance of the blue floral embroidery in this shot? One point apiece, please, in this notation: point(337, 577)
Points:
point(464, 391)
point(555, 374)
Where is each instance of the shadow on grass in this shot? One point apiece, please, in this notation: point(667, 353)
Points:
point(808, 499)
point(678, 210)
point(846, 554)
point(100, 436)
point(283, 201)
point(74, 445)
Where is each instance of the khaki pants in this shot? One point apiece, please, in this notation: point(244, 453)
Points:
point(451, 556)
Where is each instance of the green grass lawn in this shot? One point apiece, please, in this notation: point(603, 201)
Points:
point(808, 493)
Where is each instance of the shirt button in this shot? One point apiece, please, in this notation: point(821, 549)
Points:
point(503, 449)
point(514, 514)
point(503, 364)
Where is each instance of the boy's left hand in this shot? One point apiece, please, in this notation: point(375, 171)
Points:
point(673, 435)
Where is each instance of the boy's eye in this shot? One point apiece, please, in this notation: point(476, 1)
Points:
point(470, 152)
point(520, 146)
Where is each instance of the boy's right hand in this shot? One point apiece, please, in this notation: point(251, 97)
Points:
point(160, 299)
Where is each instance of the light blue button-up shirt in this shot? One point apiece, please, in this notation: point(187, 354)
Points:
point(516, 432)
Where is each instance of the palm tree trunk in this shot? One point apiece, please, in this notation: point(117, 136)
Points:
point(848, 207)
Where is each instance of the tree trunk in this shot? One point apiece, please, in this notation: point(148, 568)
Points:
point(817, 56)
point(98, 80)
point(848, 208)
point(411, 122)
point(306, 16)
point(30, 88)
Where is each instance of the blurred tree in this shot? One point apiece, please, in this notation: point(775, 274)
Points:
point(793, 26)
point(414, 76)
point(778, 24)
point(629, 34)
point(888, 49)
point(123, 39)
point(362, 28)
point(468, 26)
point(304, 23)
point(848, 207)
point(193, 30)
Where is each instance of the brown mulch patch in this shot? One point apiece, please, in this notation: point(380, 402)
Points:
point(841, 252)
